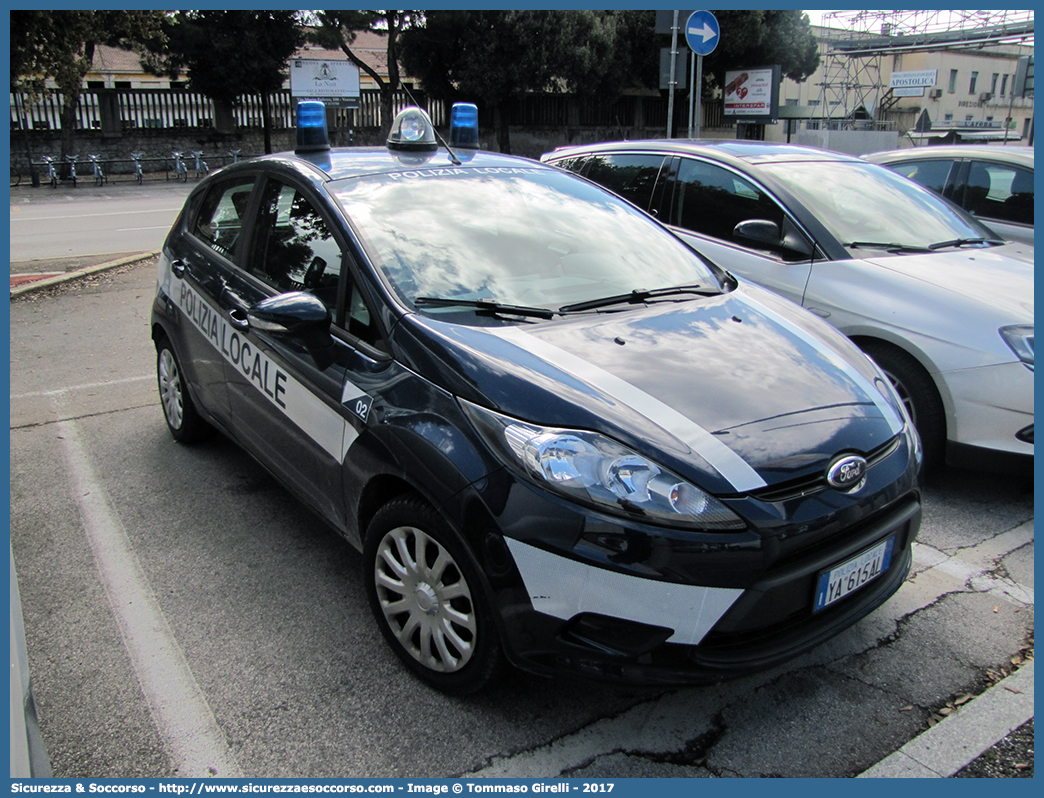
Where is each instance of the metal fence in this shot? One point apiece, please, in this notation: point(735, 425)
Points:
point(177, 108)
point(167, 109)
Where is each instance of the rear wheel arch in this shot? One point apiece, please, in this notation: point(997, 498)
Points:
point(184, 420)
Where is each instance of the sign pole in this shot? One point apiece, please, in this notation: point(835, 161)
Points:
point(702, 34)
point(674, 61)
point(692, 92)
point(697, 89)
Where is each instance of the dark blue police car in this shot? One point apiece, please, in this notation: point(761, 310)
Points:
point(558, 434)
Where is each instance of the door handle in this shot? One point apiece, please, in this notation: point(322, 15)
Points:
point(178, 267)
point(238, 318)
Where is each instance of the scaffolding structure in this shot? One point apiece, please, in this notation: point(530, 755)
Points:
point(852, 94)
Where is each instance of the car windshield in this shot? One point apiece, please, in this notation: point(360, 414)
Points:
point(519, 237)
point(869, 207)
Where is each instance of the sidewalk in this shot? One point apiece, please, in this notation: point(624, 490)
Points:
point(961, 738)
point(29, 276)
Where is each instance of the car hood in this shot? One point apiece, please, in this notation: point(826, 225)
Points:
point(1001, 277)
point(738, 391)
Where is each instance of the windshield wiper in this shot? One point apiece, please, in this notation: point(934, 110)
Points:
point(887, 247)
point(484, 306)
point(638, 295)
point(957, 242)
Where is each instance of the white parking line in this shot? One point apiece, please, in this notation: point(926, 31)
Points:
point(84, 386)
point(194, 741)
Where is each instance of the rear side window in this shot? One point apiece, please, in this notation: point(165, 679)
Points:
point(632, 176)
point(222, 214)
point(999, 191)
point(712, 201)
point(930, 174)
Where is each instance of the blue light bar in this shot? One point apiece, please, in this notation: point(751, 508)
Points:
point(312, 135)
point(464, 126)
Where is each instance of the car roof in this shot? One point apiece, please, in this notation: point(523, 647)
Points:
point(720, 149)
point(1020, 155)
point(339, 163)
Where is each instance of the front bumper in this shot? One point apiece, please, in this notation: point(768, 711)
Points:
point(992, 408)
point(731, 633)
point(593, 596)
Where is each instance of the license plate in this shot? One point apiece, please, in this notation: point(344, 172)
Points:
point(852, 574)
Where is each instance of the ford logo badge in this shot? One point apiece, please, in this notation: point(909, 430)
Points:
point(847, 474)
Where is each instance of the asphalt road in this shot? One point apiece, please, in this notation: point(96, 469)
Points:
point(185, 616)
point(74, 223)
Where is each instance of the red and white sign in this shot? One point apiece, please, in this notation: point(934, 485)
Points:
point(748, 92)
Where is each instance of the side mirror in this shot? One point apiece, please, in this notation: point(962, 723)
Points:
point(297, 315)
point(766, 234)
point(759, 232)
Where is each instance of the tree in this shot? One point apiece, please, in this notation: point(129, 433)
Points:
point(494, 57)
point(60, 45)
point(227, 54)
point(757, 38)
point(338, 30)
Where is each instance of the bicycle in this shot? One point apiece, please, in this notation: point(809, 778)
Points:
point(100, 177)
point(52, 173)
point(138, 176)
point(72, 168)
point(180, 170)
point(201, 165)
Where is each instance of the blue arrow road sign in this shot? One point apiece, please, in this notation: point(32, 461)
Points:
point(701, 32)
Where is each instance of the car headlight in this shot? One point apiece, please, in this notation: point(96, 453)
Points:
point(591, 469)
point(1020, 338)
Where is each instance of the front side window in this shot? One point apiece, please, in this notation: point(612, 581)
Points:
point(219, 223)
point(631, 175)
point(930, 174)
point(295, 249)
point(712, 201)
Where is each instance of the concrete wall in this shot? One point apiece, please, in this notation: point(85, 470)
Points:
point(852, 142)
point(158, 144)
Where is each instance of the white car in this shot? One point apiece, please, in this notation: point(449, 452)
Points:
point(942, 305)
point(993, 183)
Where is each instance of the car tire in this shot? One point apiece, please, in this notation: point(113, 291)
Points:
point(917, 391)
point(183, 420)
point(428, 598)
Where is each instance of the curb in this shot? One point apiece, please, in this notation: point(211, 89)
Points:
point(47, 282)
point(959, 739)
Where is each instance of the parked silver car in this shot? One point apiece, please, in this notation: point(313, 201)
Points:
point(993, 183)
point(925, 289)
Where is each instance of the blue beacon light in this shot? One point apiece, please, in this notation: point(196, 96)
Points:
point(464, 126)
point(312, 135)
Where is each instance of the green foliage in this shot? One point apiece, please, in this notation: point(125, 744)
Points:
point(491, 57)
point(227, 53)
point(762, 38)
point(60, 44)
